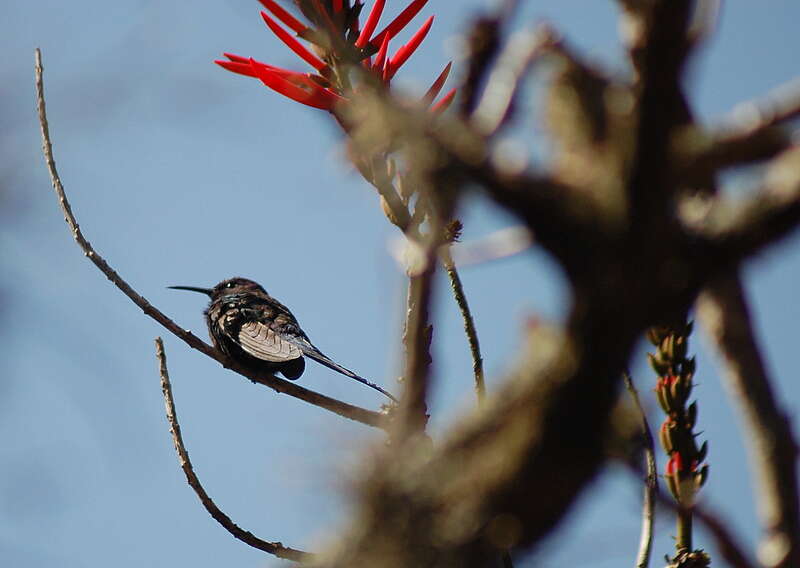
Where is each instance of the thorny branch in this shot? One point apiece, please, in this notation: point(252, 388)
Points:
point(227, 523)
point(344, 409)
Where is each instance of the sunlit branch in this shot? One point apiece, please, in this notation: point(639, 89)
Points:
point(227, 523)
point(344, 409)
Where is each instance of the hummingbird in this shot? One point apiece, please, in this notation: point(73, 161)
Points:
point(256, 330)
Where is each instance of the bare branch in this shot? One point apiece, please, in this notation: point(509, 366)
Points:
point(346, 410)
point(218, 515)
point(650, 484)
point(773, 448)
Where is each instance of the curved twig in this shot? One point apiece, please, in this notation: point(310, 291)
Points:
point(651, 481)
point(344, 409)
point(246, 537)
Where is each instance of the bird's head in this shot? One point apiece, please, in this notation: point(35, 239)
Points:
point(230, 286)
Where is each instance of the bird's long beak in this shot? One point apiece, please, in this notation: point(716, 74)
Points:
point(207, 291)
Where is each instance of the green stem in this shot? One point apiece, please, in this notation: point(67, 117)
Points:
point(684, 539)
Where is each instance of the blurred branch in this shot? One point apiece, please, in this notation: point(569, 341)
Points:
point(496, 105)
point(417, 335)
point(496, 245)
point(724, 311)
point(727, 543)
point(754, 133)
point(482, 44)
point(663, 52)
point(344, 409)
point(650, 483)
point(504, 476)
point(246, 537)
point(772, 213)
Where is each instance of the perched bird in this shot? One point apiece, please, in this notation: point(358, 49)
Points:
point(255, 329)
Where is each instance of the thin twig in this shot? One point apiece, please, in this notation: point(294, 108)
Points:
point(246, 537)
point(724, 311)
point(469, 323)
point(650, 484)
point(344, 409)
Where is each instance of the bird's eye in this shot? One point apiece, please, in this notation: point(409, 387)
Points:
point(230, 284)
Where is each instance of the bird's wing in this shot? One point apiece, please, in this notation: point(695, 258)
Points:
point(263, 343)
point(309, 350)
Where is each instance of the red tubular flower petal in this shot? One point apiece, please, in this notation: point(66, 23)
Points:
point(237, 58)
point(372, 21)
point(252, 68)
point(445, 101)
point(380, 58)
point(293, 44)
point(675, 464)
point(405, 52)
point(433, 92)
point(337, 6)
point(237, 67)
point(284, 16)
point(284, 82)
point(399, 22)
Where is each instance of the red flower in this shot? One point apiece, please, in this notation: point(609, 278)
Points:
point(675, 464)
point(320, 90)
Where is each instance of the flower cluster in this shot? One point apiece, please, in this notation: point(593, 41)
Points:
point(685, 472)
point(336, 40)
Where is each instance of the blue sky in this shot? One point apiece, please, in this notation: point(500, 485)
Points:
point(182, 173)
